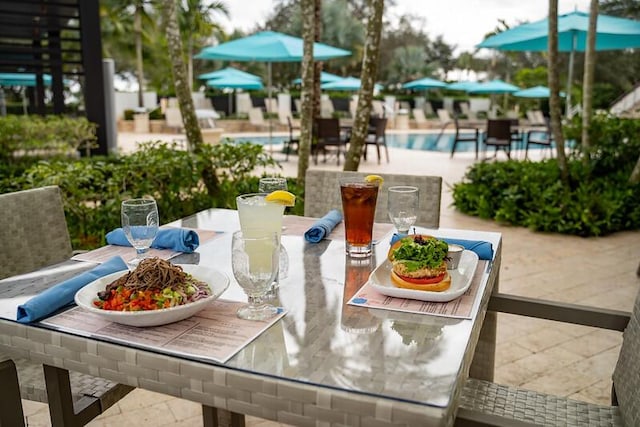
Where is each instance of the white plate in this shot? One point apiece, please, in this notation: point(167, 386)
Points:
point(380, 280)
point(216, 280)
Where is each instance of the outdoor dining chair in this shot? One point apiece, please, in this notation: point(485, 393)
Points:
point(327, 135)
point(376, 136)
point(542, 137)
point(487, 403)
point(322, 193)
point(464, 135)
point(294, 140)
point(34, 235)
point(499, 136)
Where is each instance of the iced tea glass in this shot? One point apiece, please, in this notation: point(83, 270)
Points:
point(359, 208)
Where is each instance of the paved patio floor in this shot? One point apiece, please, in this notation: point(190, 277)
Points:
point(546, 356)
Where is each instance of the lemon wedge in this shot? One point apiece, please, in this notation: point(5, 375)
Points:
point(281, 197)
point(374, 179)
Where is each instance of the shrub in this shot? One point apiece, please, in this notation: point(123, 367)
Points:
point(599, 199)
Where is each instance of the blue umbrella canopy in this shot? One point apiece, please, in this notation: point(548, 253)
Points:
point(22, 79)
point(612, 34)
point(228, 72)
point(268, 46)
point(494, 86)
point(424, 83)
point(324, 78)
point(235, 83)
point(534, 92)
point(347, 83)
point(462, 85)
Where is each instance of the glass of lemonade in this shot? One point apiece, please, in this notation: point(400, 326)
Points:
point(259, 216)
point(359, 207)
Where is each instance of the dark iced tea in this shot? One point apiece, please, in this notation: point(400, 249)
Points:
point(359, 207)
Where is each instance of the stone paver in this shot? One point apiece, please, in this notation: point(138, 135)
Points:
point(541, 355)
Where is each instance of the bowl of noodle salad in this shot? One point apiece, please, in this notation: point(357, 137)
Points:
point(155, 293)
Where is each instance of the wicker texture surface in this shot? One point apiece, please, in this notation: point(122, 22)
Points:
point(538, 408)
point(322, 193)
point(33, 230)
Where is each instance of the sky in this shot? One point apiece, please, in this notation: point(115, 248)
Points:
point(461, 22)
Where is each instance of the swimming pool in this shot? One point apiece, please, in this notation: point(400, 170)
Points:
point(409, 141)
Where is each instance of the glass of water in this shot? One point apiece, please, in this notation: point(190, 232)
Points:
point(403, 204)
point(140, 224)
point(270, 184)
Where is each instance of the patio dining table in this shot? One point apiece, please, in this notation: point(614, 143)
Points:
point(325, 362)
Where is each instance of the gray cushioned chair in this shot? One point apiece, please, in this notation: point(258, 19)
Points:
point(322, 193)
point(34, 235)
point(487, 403)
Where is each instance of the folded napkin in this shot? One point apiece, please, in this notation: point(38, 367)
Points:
point(63, 293)
point(483, 249)
point(323, 226)
point(177, 239)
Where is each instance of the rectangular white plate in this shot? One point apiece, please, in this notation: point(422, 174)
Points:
point(380, 280)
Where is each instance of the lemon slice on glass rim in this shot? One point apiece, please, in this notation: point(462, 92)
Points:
point(281, 197)
point(374, 179)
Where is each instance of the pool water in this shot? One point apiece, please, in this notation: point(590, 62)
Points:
point(409, 141)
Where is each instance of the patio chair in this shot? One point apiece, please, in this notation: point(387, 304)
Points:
point(173, 119)
point(34, 235)
point(376, 137)
point(420, 118)
point(326, 134)
point(256, 118)
point(293, 140)
point(464, 135)
point(322, 193)
point(543, 137)
point(487, 403)
point(499, 136)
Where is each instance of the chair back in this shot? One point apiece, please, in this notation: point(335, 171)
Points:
point(498, 132)
point(377, 127)
point(418, 115)
point(326, 129)
point(256, 117)
point(33, 230)
point(322, 193)
point(173, 117)
point(626, 376)
point(377, 107)
point(444, 116)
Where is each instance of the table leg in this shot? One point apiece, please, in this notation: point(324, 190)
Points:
point(214, 417)
point(483, 363)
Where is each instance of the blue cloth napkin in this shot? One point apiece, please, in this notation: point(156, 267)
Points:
point(323, 226)
point(483, 249)
point(63, 293)
point(177, 239)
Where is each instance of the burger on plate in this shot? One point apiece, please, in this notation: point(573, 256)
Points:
point(418, 262)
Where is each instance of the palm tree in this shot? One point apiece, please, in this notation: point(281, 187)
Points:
point(587, 84)
point(306, 115)
point(368, 80)
point(554, 88)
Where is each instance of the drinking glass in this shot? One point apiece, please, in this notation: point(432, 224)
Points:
point(254, 260)
point(403, 204)
point(359, 207)
point(270, 184)
point(140, 225)
point(257, 216)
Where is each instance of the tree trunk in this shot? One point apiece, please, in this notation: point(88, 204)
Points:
point(368, 80)
point(587, 83)
point(137, 29)
point(554, 86)
point(635, 174)
point(308, 35)
point(317, 66)
point(183, 89)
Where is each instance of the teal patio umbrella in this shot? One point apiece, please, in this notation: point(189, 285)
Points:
point(462, 85)
point(424, 84)
point(493, 87)
point(228, 72)
point(346, 84)
point(22, 79)
point(269, 47)
point(324, 78)
point(612, 33)
point(534, 92)
point(235, 82)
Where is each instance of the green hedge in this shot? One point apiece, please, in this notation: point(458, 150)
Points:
point(93, 188)
point(598, 201)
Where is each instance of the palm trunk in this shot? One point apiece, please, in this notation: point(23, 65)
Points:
point(137, 29)
point(554, 86)
point(317, 66)
point(306, 115)
point(587, 84)
point(368, 80)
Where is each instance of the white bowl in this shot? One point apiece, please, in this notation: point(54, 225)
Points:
point(217, 281)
